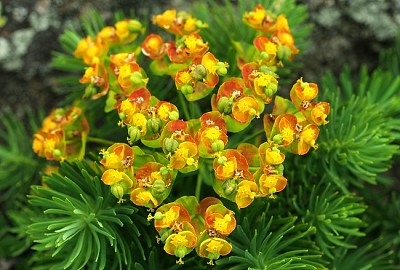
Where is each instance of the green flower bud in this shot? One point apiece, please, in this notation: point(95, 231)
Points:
point(217, 146)
point(279, 169)
point(134, 134)
point(222, 160)
point(229, 187)
point(118, 190)
point(270, 90)
point(90, 90)
point(170, 145)
point(225, 105)
point(164, 171)
point(158, 216)
point(158, 187)
point(57, 153)
point(181, 251)
point(264, 55)
point(278, 139)
point(267, 70)
point(187, 89)
point(122, 115)
point(199, 72)
point(164, 233)
point(174, 115)
point(284, 52)
point(154, 125)
point(221, 68)
point(134, 26)
point(213, 256)
point(137, 78)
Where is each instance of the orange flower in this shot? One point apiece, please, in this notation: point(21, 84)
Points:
point(302, 93)
point(184, 156)
point(306, 139)
point(169, 215)
point(96, 77)
point(245, 109)
point(180, 244)
point(259, 19)
point(143, 197)
point(220, 218)
point(320, 112)
point(118, 156)
point(213, 248)
point(153, 46)
point(246, 192)
point(272, 183)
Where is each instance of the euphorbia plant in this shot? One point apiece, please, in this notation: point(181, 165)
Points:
point(163, 145)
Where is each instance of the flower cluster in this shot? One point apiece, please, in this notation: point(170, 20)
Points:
point(160, 145)
point(62, 135)
point(186, 224)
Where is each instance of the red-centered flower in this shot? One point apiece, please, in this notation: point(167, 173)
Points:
point(154, 47)
point(193, 46)
point(320, 112)
point(180, 24)
point(143, 197)
point(167, 111)
point(150, 173)
point(245, 109)
point(120, 183)
point(267, 49)
point(127, 30)
point(270, 156)
point(90, 51)
point(138, 100)
point(231, 164)
point(271, 183)
point(305, 139)
point(180, 244)
point(259, 19)
point(302, 93)
point(213, 248)
point(96, 77)
point(185, 156)
point(171, 215)
point(282, 129)
point(213, 119)
point(118, 156)
point(220, 219)
point(246, 192)
point(49, 144)
point(108, 34)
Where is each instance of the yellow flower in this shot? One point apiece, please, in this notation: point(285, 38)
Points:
point(122, 29)
point(166, 19)
point(246, 193)
point(274, 157)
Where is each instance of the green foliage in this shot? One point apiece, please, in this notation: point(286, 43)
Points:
point(370, 255)
point(228, 36)
point(272, 243)
point(82, 223)
point(18, 165)
point(334, 215)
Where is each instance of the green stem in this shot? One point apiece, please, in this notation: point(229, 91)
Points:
point(252, 136)
point(99, 140)
point(198, 186)
point(184, 105)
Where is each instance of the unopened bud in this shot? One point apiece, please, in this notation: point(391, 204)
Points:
point(170, 145)
point(278, 139)
point(57, 153)
point(134, 134)
point(154, 125)
point(187, 89)
point(174, 115)
point(222, 160)
point(158, 216)
point(264, 55)
point(118, 190)
point(180, 251)
point(217, 146)
point(158, 187)
point(221, 68)
point(122, 115)
point(225, 105)
point(270, 90)
point(279, 169)
point(164, 171)
point(134, 26)
point(199, 72)
point(284, 52)
point(229, 187)
point(137, 78)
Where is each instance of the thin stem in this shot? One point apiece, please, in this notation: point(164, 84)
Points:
point(184, 105)
point(198, 186)
point(99, 140)
point(252, 136)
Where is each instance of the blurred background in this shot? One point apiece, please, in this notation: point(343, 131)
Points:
point(346, 32)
